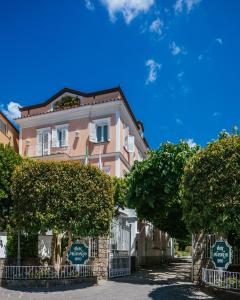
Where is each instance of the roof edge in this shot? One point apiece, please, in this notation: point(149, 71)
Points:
point(72, 91)
point(91, 94)
point(8, 120)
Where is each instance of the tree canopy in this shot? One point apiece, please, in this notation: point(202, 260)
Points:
point(154, 187)
point(211, 187)
point(8, 161)
point(120, 191)
point(62, 196)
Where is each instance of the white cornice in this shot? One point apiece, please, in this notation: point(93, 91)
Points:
point(95, 110)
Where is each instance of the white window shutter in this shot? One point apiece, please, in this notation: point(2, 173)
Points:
point(93, 134)
point(55, 141)
point(131, 143)
point(65, 137)
point(39, 144)
point(126, 134)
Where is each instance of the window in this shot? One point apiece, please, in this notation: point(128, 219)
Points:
point(60, 136)
point(3, 126)
point(129, 140)
point(106, 169)
point(100, 131)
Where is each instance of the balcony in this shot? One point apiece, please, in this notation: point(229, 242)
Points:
point(62, 153)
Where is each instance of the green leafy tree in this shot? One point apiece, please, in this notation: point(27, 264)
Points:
point(154, 187)
point(211, 187)
point(120, 191)
point(9, 159)
point(65, 197)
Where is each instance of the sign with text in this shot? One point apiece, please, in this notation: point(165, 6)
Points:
point(78, 253)
point(221, 254)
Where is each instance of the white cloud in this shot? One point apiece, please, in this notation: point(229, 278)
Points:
point(157, 26)
point(216, 114)
point(12, 111)
point(178, 6)
point(89, 5)
point(130, 9)
point(219, 41)
point(188, 5)
point(179, 121)
point(154, 67)
point(191, 143)
point(180, 75)
point(191, 4)
point(175, 49)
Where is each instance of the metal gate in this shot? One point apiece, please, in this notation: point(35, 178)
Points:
point(119, 249)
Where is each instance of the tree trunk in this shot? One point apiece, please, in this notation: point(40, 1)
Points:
point(56, 251)
point(70, 237)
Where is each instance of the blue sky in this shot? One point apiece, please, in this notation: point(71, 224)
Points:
point(177, 61)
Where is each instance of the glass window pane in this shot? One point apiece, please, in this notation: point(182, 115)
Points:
point(105, 133)
point(99, 133)
point(59, 138)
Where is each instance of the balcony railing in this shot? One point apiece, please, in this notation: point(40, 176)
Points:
point(35, 151)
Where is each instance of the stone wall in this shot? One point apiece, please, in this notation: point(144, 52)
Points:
point(100, 263)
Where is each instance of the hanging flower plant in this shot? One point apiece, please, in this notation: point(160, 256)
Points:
point(66, 102)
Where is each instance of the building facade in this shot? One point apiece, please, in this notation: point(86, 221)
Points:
point(97, 128)
point(8, 132)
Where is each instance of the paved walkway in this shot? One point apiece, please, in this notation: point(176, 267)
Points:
point(165, 283)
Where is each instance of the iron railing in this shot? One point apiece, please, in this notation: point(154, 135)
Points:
point(46, 272)
point(221, 279)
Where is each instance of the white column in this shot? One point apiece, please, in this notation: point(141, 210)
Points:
point(118, 145)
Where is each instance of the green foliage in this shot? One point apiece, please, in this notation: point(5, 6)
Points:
point(120, 191)
point(67, 102)
point(154, 187)
point(29, 244)
point(211, 187)
point(62, 196)
point(8, 161)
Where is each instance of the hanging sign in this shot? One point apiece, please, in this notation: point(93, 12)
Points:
point(221, 254)
point(78, 253)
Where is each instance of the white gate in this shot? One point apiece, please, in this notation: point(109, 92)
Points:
point(119, 249)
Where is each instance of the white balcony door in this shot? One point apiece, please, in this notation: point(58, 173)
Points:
point(43, 143)
point(46, 143)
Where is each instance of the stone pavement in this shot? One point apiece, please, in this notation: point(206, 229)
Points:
point(168, 282)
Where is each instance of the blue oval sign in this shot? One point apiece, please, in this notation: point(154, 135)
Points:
point(78, 253)
point(221, 254)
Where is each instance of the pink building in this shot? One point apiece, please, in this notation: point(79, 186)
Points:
point(99, 127)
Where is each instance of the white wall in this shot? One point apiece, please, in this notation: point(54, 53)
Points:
point(3, 243)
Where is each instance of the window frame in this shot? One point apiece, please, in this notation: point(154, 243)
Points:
point(101, 123)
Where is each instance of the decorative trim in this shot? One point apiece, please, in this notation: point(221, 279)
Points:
point(61, 126)
point(43, 129)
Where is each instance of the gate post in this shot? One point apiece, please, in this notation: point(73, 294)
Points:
point(103, 257)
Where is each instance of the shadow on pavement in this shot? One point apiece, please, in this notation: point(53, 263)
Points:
point(70, 287)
